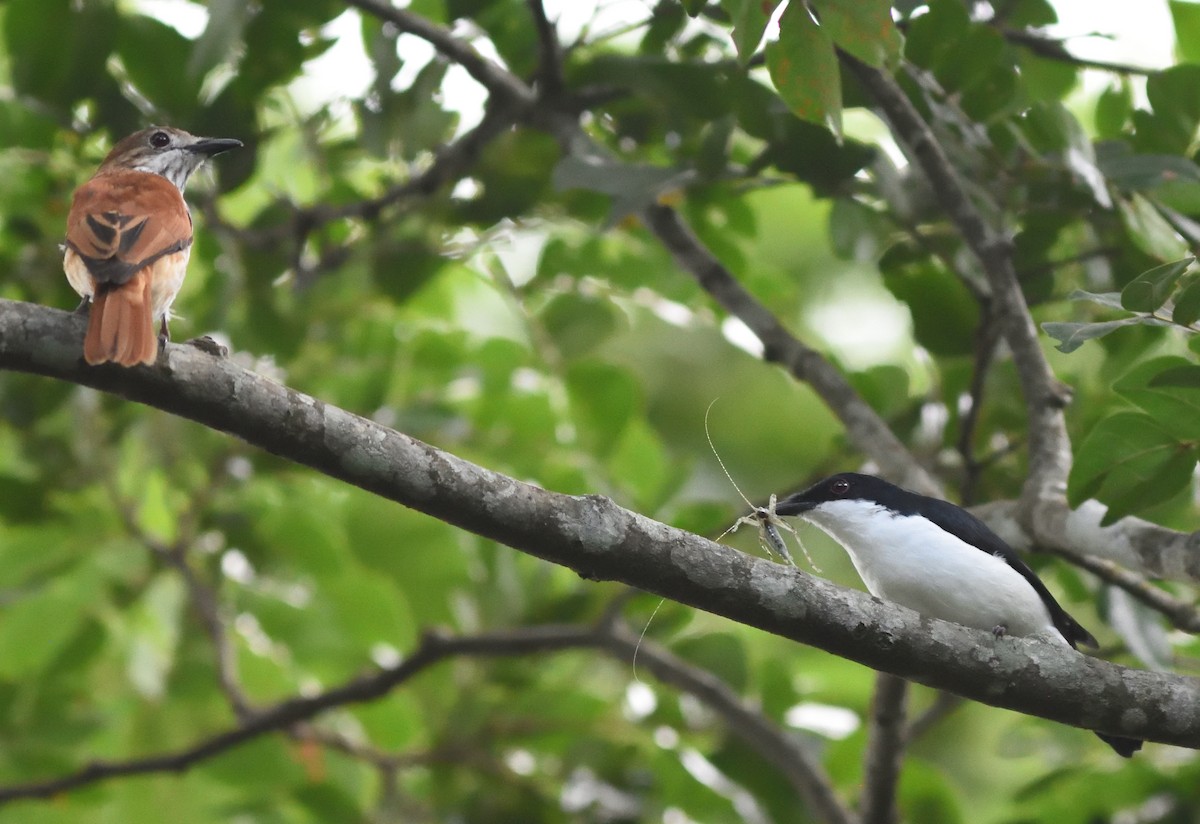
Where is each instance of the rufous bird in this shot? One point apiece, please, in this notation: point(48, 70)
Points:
point(129, 236)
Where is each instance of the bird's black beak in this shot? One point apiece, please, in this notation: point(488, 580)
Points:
point(214, 145)
point(794, 505)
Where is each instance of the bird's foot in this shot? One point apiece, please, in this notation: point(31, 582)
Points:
point(1000, 630)
point(84, 307)
point(206, 344)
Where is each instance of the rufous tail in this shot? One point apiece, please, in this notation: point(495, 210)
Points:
point(121, 324)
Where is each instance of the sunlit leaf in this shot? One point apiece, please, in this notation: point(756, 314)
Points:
point(804, 68)
point(863, 29)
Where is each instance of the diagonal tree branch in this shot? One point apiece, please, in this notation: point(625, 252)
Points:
point(1045, 397)
point(492, 76)
point(796, 763)
point(550, 73)
point(1182, 614)
point(869, 433)
point(451, 162)
point(433, 649)
point(785, 753)
point(866, 428)
point(600, 540)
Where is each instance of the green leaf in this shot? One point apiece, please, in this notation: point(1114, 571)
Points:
point(1113, 109)
point(1150, 290)
point(750, 19)
point(40, 623)
point(694, 7)
point(864, 28)
point(1138, 172)
point(1186, 17)
point(1172, 93)
point(804, 69)
point(1184, 375)
point(222, 35)
point(1160, 387)
point(1071, 336)
point(604, 399)
point(856, 231)
point(1129, 463)
point(632, 187)
point(1110, 300)
point(56, 50)
point(720, 653)
point(578, 323)
point(1149, 230)
point(640, 466)
point(1187, 304)
point(943, 311)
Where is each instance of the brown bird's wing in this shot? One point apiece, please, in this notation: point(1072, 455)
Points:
point(123, 221)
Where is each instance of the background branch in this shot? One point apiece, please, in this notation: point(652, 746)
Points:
point(869, 433)
point(885, 750)
point(1049, 445)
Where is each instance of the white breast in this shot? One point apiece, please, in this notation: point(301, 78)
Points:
point(913, 562)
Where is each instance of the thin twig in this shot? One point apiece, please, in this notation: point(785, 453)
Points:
point(798, 765)
point(866, 429)
point(550, 53)
point(1182, 614)
point(450, 164)
point(885, 750)
point(433, 649)
point(986, 339)
point(1053, 49)
point(944, 704)
point(495, 78)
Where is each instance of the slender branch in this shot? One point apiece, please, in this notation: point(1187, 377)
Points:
point(1182, 614)
point(986, 340)
point(600, 540)
point(1053, 49)
point(493, 77)
point(1045, 397)
point(944, 704)
point(869, 433)
point(885, 750)
point(207, 605)
point(795, 762)
point(550, 54)
point(451, 162)
point(1132, 543)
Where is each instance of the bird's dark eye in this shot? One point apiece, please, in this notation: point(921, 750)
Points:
point(840, 487)
point(160, 140)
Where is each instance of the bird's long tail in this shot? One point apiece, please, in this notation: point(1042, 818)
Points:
point(121, 324)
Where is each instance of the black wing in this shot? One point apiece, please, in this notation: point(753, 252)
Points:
point(964, 525)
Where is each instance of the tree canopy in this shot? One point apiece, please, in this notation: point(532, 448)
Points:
point(522, 315)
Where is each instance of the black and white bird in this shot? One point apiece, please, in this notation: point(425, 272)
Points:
point(938, 559)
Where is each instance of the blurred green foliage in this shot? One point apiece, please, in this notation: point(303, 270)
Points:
point(521, 317)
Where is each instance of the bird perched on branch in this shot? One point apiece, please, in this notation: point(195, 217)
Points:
point(129, 235)
point(938, 559)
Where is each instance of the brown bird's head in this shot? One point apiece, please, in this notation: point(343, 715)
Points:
point(172, 153)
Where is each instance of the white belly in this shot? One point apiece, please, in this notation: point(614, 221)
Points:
point(911, 561)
